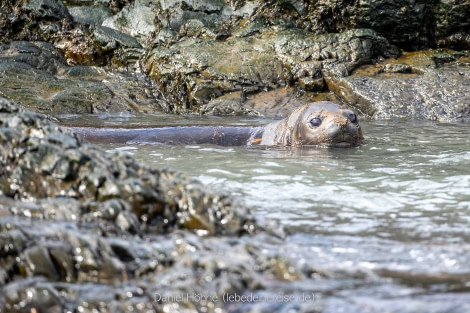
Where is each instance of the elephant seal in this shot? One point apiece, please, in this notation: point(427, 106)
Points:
point(316, 124)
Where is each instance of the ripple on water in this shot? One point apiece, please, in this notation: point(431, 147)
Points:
point(380, 228)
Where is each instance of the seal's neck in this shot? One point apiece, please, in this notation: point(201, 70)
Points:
point(283, 132)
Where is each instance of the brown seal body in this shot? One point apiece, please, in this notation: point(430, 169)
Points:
point(315, 124)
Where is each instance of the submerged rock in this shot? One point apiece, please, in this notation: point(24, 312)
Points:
point(430, 85)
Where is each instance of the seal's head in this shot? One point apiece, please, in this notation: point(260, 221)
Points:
point(327, 124)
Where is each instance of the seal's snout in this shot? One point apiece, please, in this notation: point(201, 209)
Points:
point(344, 129)
point(335, 131)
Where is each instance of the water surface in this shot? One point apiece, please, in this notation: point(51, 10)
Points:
point(384, 227)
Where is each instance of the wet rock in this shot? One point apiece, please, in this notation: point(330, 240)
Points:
point(452, 24)
point(50, 21)
point(159, 273)
point(121, 50)
point(109, 38)
point(165, 37)
point(422, 85)
point(83, 73)
point(47, 9)
point(86, 231)
point(65, 228)
point(39, 55)
point(279, 102)
point(46, 161)
point(229, 104)
point(408, 24)
point(45, 20)
point(37, 76)
point(46, 93)
point(214, 14)
point(114, 5)
point(136, 21)
point(32, 296)
point(192, 73)
point(92, 15)
point(37, 261)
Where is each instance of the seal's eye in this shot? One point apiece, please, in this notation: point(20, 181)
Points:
point(315, 122)
point(353, 118)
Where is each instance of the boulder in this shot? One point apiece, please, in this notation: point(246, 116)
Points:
point(92, 15)
point(193, 72)
point(431, 85)
point(136, 21)
point(409, 24)
point(47, 9)
point(37, 76)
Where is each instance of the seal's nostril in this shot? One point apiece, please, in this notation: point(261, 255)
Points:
point(352, 117)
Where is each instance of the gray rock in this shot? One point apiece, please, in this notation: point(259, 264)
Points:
point(228, 104)
point(191, 73)
point(46, 93)
point(39, 55)
point(109, 38)
point(47, 9)
point(93, 15)
point(420, 87)
point(35, 75)
point(49, 21)
point(453, 24)
point(165, 37)
point(215, 15)
point(83, 72)
point(136, 21)
point(408, 24)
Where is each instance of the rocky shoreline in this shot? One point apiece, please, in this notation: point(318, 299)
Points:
point(79, 225)
point(84, 231)
point(217, 57)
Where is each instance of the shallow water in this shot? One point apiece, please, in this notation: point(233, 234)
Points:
point(384, 227)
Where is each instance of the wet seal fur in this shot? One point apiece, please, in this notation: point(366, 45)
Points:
point(316, 124)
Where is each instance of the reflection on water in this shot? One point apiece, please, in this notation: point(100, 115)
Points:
point(385, 225)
